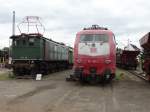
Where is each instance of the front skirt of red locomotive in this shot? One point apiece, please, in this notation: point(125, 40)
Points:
point(93, 73)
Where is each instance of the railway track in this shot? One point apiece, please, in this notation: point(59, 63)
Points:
point(140, 75)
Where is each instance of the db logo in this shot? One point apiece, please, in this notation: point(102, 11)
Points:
point(93, 50)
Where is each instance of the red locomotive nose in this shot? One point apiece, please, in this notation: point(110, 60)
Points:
point(94, 54)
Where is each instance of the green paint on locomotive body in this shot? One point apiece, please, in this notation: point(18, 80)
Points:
point(28, 48)
point(37, 47)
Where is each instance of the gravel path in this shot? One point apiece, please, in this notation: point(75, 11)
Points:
point(54, 94)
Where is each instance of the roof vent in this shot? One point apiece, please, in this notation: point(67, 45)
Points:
point(95, 27)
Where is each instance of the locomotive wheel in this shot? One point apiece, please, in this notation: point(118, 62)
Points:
point(134, 68)
point(82, 79)
point(106, 80)
point(33, 73)
point(15, 72)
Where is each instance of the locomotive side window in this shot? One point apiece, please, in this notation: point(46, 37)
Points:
point(94, 37)
point(114, 39)
point(55, 48)
point(17, 42)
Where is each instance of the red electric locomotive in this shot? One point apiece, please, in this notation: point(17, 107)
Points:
point(95, 54)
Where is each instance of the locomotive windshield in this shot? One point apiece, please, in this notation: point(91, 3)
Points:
point(93, 37)
point(24, 42)
point(31, 41)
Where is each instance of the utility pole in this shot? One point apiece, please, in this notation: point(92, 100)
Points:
point(13, 24)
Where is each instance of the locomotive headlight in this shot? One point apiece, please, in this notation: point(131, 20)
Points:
point(89, 61)
point(107, 61)
point(32, 62)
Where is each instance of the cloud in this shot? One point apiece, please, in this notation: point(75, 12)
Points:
point(64, 18)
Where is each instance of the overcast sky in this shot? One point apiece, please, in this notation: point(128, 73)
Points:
point(128, 19)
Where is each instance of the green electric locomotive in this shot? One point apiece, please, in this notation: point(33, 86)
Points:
point(33, 53)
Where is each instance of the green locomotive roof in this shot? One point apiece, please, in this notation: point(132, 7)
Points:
point(37, 35)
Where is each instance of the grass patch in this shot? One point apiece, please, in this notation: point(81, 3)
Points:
point(119, 74)
point(122, 74)
point(6, 76)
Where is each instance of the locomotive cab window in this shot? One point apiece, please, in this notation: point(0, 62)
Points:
point(31, 41)
point(94, 37)
point(16, 42)
point(24, 42)
point(86, 38)
point(101, 37)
